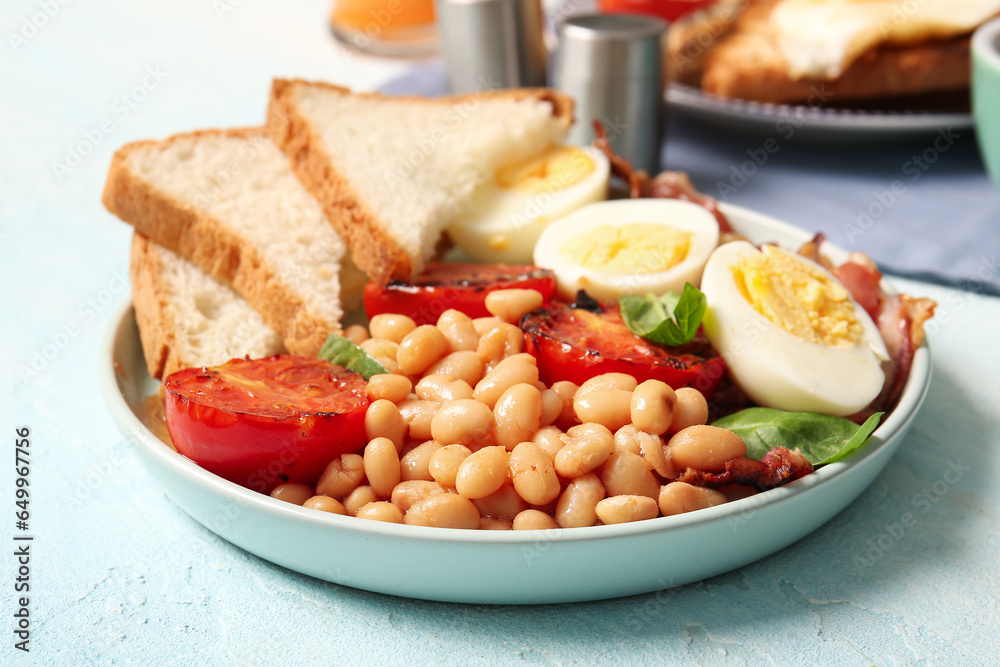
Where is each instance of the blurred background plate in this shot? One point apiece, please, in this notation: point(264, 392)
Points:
point(819, 123)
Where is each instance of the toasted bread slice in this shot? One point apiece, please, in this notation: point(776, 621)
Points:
point(187, 318)
point(748, 64)
point(392, 172)
point(228, 201)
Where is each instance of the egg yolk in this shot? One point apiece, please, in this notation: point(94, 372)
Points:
point(558, 169)
point(639, 247)
point(798, 297)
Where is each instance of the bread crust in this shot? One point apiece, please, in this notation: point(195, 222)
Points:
point(208, 243)
point(149, 300)
point(748, 64)
point(374, 250)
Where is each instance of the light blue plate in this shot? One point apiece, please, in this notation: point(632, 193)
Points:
point(523, 567)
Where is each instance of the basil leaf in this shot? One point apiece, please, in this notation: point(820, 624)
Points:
point(668, 320)
point(339, 350)
point(858, 439)
point(820, 438)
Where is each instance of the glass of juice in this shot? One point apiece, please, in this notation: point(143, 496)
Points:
point(386, 27)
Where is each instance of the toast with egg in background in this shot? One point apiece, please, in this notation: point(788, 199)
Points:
point(834, 52)
point(393, 172)
point(227, 201)
point(186, 318)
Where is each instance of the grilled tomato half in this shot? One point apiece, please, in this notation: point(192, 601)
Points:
point(576, 344)
point(263, 422)
point(458, 285)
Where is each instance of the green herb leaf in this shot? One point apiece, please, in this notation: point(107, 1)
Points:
point(339, 350)
point(668, 320)
point(821, 438)
point(858, 439)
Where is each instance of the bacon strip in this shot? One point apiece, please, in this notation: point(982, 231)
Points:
point(666, 185)
point(779, 466)
point(900, 318)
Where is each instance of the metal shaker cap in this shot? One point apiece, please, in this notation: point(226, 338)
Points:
point(612, 65)
point(490, 44)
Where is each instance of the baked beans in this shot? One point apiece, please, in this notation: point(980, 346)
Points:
point(408, 492)
point(356, 333)
point(391, 326)
point(415, 463)
point(511, 304)
point(389, 387)
point(293, 492)
point(652, 406)
point(457, 327)
point(418, 416)
point(421, 348)
point(380, 510)
point(444, 510)
point(500, 342)
point(382, 468)
point(577, 506)
point(444, 463)
point(380, 347)
point(512, 370)
point(358, 498)
point(583, 454)
point(465, 366)
point(341, 476)
point(628, 474)
point(691, 409)
point(533, 520)
point(680, 497)
point(518, 414)
point(464, 422)
point(383, 420)
point(463, 434)
point(533, 474)
point(442, 388)
point(622, 509)
point(705, 448)
point(482, 472)
point(325, 504)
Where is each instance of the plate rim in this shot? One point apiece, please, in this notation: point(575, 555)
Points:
point(827, 120)
point(896, 422)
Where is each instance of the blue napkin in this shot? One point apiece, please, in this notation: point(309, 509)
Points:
point(922, 207)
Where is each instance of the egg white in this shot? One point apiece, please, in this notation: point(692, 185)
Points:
point(778, 369)
point(502, 225)
point(607, 287)
point(822, 38)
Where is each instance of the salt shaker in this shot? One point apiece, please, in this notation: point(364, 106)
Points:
point(612, 65)
point(490, 44)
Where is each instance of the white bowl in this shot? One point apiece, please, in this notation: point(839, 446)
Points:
point(510, 567)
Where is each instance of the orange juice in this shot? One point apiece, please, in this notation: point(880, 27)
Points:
point(386, 27)
point(386, 14)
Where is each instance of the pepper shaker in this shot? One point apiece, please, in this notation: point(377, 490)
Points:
point(612, 65)
point(490, 44)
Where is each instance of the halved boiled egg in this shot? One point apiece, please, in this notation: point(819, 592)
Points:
point(506, 215)
point(793, 337)
point(628, 246)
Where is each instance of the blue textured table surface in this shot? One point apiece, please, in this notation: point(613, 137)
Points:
point(120, 574)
